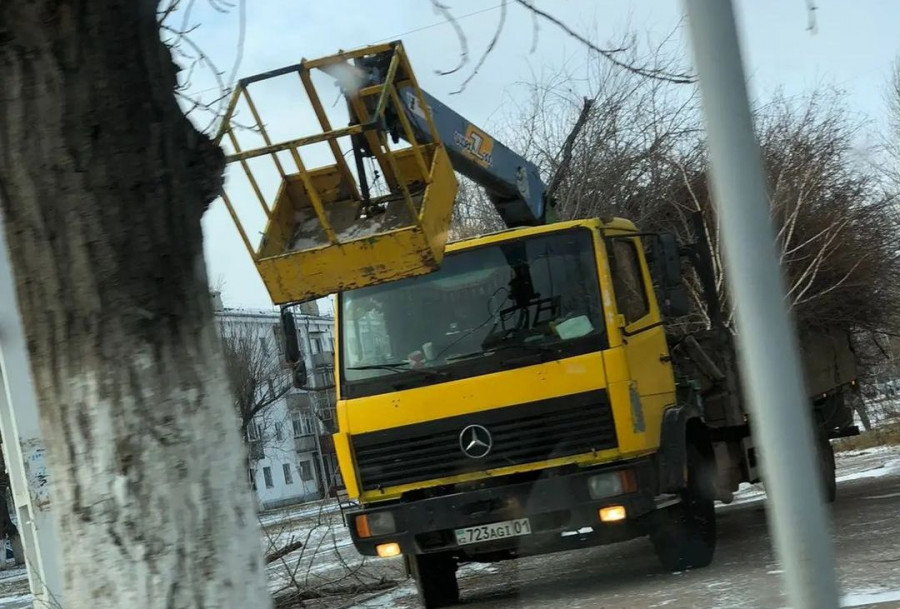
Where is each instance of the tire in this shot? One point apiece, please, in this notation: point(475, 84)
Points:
point(18, 551)
point(827, 467)
point(684, 535)
point(435, 576)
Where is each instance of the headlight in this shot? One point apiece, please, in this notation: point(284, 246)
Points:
point(605, 485)
point(376, 523)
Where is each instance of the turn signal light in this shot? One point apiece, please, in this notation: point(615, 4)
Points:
point(612, 513)
point(387, 550)
point(362, 526)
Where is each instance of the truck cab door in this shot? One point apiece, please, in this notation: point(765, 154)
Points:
point(652, 384)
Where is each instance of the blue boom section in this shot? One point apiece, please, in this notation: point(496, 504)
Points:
point(512, 182)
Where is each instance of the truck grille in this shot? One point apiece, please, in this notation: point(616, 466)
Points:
point(524, 433)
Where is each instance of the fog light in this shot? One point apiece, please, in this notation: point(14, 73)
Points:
point(605, 485)
point(386, 550)
point(613, 513)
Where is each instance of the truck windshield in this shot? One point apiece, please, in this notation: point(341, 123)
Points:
point(528, 300)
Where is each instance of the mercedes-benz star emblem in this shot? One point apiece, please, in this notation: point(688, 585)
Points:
point(475, 441)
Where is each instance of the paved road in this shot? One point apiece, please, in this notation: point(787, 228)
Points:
point(744, 575)
point(626, 576)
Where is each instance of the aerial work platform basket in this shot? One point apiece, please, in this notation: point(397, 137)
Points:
point(326, 229)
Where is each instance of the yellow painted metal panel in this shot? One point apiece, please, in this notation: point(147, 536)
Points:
point(640, 361)
point(505, 388)
point(307, 274)
point(345, 463)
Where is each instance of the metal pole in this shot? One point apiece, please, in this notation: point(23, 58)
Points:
point(782, 418)
point(24, 448)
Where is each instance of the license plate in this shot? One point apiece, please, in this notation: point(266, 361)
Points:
point(493, 531)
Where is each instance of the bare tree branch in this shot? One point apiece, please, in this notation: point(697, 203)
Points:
point(611, 54)
point(811, 9)
point(487, 51)
point(444, 10)
point(568, 145)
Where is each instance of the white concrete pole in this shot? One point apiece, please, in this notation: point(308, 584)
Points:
point(773, 377)
point(23, 447)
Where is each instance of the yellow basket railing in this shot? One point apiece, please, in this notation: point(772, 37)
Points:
point(325, 231)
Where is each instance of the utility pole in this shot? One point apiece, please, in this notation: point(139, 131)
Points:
point(769, 356)
point(23, 447)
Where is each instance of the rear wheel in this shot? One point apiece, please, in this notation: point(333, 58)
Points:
point(18, 551)
point(684, 535)
point(435, 576)
point(826, 464)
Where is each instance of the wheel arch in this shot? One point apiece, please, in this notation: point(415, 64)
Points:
point(682, 426)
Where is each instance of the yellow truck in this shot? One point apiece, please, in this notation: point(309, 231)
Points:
point(512, 394)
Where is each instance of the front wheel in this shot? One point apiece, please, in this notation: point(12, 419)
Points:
point(684, 535)
point(435, 576)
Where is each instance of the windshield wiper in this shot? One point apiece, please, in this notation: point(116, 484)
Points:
point(534, 347)
point(384, 366)
point(400, 367)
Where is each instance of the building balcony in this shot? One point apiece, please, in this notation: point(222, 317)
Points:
point(305, 444)
point(325, 359)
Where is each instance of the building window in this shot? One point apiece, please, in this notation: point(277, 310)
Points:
point(253, 479)
point(326, 377)
point(303, 424)
point(271, 385)
point(288, 478)
point(279, 338)
point(253, 431)
point(263, 345)
point(267, 474)
point(279, 432)
point(316, 345)
point(306, 470)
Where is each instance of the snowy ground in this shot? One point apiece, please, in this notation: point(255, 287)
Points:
point(744, 575)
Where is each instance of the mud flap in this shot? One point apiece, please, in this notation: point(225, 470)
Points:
point(673, 450)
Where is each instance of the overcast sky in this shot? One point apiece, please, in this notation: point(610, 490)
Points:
point(852, 49)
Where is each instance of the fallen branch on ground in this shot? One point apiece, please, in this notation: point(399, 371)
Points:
point(282, 552)
point(296, 597)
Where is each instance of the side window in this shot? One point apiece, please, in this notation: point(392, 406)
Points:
point(628, 282)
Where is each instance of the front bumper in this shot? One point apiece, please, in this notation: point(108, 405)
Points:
point(553, 505)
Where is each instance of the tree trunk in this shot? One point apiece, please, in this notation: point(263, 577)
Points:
point(102, 185)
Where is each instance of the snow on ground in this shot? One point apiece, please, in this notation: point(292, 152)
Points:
point(296, 512)
point(875, 462)
point(869, 597)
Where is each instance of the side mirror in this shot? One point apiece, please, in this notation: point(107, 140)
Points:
point(665, 264)
point(669, 260)
point(675, 301)
point(292, 352)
